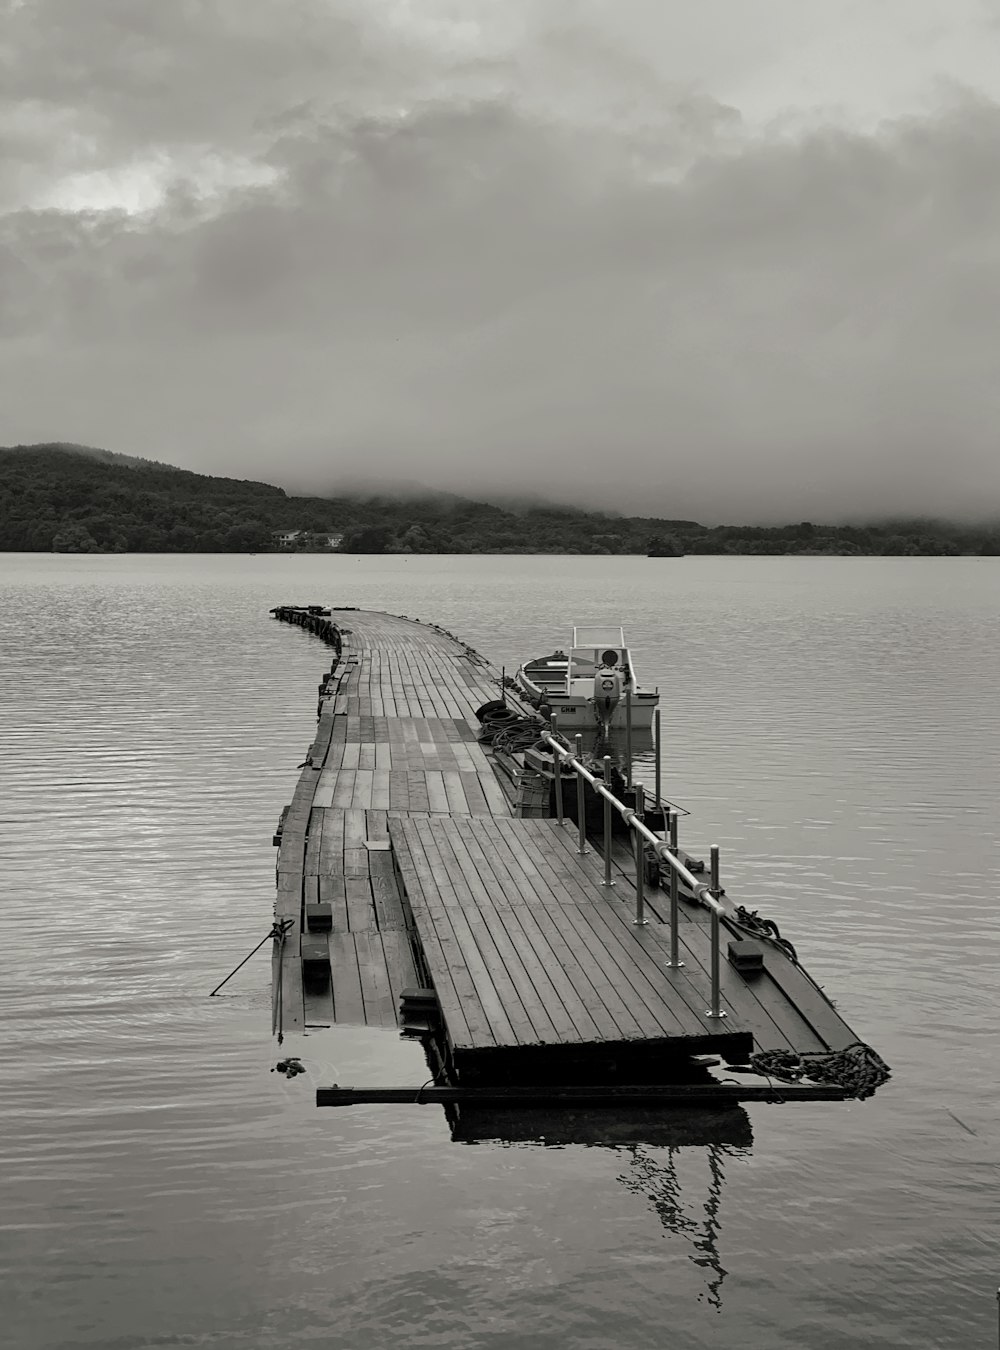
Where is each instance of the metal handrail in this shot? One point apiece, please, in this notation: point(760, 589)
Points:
point(702, 890)
point(704, 893)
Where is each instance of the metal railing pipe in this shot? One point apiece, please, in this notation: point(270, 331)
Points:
point(656, 735)
point(701, 890)
point(628, 736)
point(675, 961)
point(557, 761)
point(640, 862)
point(716, 1009)
point(607, 825)
point(581, 802)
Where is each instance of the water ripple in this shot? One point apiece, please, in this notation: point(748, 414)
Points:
point(833, 726)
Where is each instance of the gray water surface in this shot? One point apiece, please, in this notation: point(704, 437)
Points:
point(832, 724)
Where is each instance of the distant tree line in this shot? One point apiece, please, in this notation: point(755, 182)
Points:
point(62, 499)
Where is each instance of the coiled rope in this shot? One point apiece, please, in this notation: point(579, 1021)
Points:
point(505, 729)
point(750, 922)
point(858, 1069)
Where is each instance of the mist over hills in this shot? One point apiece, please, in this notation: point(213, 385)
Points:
point(69, 498)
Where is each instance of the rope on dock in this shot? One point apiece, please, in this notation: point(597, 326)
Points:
point(273, 933)
point(505, 730)
point(858, 1069)
point(750, 922)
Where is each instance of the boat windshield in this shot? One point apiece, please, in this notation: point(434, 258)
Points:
point(597, 636)
point(595, 647)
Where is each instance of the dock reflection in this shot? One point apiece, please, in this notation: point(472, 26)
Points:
point(656, 1179)
point(650, 1142)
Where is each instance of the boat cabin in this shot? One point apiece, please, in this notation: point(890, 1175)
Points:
point(593, 650)
point(594, 685)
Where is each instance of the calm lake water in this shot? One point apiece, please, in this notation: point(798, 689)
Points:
point(833, 724)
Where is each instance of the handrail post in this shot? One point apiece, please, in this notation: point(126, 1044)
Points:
point(557, 760)
point(581, 805)
point(640, 863)
point(607, 825)
point(628, 736)
point(674, 963)
point(656, 734)
point(716, 1008)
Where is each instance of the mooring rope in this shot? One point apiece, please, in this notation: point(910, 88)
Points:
point(858, 1069)
point(272, 933)
point(750, 922)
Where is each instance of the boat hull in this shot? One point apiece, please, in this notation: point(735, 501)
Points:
point(579, 714)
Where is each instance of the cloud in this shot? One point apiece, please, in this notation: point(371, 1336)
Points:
point(508, 254)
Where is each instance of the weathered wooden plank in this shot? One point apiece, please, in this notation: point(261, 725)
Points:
point(437, 795)
point(586, 980)
point(465, 1019)
point(432, 898)
point(509, 1020)
point(360, 905)
point(343, 792)
point(563, 1006)
point(675, 1008)
point(458, 803)
point(361, 798)
point(542, 932)
point(399, 963)
point(348, 1002)
point(333, 891)
point(830, 1029)
point(376, 992)
point(507, 962)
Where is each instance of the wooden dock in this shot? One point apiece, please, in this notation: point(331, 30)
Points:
point(403, 864)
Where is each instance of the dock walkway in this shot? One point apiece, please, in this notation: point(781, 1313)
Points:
point(402, 864)
point(397, 735)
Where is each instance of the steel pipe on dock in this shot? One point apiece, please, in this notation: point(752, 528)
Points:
point(608, 881)
point(656, 750)
point(640, 863)
point(675, 962)
point(581, 803)
point(716, 1009)
point(560, 812)
point(705, 894)
point(700, 889)
point(628, 735)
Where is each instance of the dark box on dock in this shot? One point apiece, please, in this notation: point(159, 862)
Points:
point(319, 917)
point(315, 955)
point(746, 955)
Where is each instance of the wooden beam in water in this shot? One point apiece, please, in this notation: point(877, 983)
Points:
point(663, 1095)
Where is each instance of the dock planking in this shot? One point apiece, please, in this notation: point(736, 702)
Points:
point(396, 734)
point(403, 826)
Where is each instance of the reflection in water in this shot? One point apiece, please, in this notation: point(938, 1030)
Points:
point(651, 1175)
point(657, 1180)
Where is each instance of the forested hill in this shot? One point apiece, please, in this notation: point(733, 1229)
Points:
point(73, 499)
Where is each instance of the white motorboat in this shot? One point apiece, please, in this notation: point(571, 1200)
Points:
point(592, 687)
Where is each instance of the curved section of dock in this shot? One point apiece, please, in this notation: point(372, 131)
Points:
point(396, 737)
point(406, 863)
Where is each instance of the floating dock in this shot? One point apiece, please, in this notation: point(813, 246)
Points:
point(423, 882)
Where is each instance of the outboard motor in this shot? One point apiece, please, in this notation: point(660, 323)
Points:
point(608, 686)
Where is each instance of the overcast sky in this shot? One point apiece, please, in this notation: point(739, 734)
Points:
point(721, 259)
